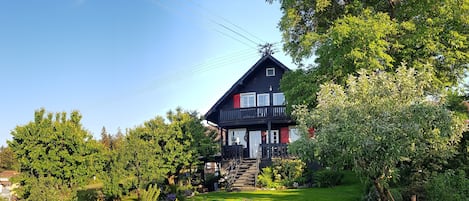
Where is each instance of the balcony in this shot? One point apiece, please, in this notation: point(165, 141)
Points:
point(253, 114)
point(267, 151)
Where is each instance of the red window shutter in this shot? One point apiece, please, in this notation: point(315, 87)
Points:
point(311, 132)
point(284, 135)
point(236, 101)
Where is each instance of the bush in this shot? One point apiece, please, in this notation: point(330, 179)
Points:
point(267, 178)
point(151, 194)
point(451, 185)
point(289, 171)
point(328, 178)
point(283, 172)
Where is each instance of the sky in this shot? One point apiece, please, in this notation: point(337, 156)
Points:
point(123, 62)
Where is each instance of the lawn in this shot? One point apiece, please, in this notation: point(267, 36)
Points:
point(350, 190)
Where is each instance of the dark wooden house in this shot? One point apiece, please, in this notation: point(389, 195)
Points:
point(252, 116)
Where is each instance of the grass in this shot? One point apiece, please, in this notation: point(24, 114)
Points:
point(350, 190)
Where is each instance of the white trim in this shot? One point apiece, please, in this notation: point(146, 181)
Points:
point(259, 98)
point(275, 101)
point(293, 134)
point(255, 139)
point(274, 136)
point(272, 70)
point(245, 103)
point(236, 136)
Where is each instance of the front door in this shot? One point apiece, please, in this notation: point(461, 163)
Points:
point(254, 141)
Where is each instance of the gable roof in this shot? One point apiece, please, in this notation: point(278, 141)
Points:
point(208, 115)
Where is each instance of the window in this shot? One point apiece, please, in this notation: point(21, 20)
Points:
point(274, 136)
point(278, 99)
point(263, 100)
point(294, 134)
point(269, 72)
point(248, 99)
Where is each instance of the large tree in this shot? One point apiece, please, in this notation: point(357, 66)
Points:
point(381, 124)
point(56, 156)
point(159, 151)
point(347, 35)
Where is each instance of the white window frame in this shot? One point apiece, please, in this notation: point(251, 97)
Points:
point(294, 134)
point(244, 100)
point(271, 70)
point(237, 136)
point(267, 95)
point(275, 101)
point(274, 136)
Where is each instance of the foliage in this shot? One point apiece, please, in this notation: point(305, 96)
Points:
point(289, 171)
point(8, 160)
point(450, 185)
point(348, 35)
point(113, 174)
point(283, 172)
point(380, 121)
point(158, 152)
point(303, 148)
point(328, 177)
point(300, 87)
point(151, 194)
point(267, 178)
point(56, 155)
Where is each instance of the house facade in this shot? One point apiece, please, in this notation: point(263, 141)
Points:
point(251, 115)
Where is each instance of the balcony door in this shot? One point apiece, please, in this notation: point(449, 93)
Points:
point(254, 141)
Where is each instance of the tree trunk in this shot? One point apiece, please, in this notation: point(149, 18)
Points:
point(381, 190)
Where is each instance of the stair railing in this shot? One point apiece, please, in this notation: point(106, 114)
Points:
point(258, 159)
point(234, 166)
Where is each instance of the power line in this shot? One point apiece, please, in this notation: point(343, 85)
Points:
point(226, 27)
point(189, 19)
point(226, 20)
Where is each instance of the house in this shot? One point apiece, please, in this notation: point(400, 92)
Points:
point(251, 115)
point(6, 186)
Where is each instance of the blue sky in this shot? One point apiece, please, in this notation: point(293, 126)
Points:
point(122, 62)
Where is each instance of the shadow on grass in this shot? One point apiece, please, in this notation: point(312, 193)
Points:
point(350, 190)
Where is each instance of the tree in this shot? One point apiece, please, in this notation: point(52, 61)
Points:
point(380, 124)
point(106, 138)
point(56, 156)
point(159, 151)
point(348, 35)
point(8, 160)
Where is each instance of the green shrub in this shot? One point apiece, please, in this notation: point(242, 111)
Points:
point(328, 178)
point(451, 185)
point(267, 178)
point(283, 172)
point(289, 171)
point(151, 194)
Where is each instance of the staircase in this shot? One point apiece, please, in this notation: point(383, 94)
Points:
point(245, 178)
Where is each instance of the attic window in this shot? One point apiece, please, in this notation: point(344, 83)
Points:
point(270, 72)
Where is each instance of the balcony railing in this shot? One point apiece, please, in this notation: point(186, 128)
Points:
point(275, 112)
point(268, 151)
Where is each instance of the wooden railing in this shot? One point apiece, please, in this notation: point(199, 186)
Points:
point(253, 113)
point(232, 152)
point(266, 151)
point(274, 151)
